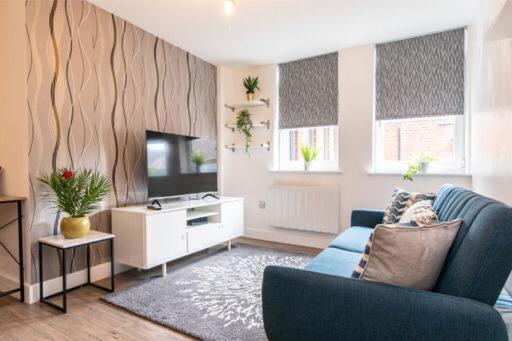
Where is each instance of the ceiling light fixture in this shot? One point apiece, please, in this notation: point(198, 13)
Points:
point(229, 6)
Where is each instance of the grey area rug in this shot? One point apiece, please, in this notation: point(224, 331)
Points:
point(214, 298)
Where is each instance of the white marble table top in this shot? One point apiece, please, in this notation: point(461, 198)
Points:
point(64, 243)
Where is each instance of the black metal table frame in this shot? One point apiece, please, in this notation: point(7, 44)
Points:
point(65, 290)
point(19, 218)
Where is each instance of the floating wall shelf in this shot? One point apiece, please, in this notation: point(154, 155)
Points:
point(235, 147)
point(266, 124)
point(252, 104)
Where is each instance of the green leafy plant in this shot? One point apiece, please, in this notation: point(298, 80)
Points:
point(251, 84)
point(76, 193)
point(309, 153)
point(198, 158)
point(244, 126)
point(417, 166)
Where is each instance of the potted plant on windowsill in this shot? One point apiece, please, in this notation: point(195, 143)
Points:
point(77, 194)
point(309, 154)
point(420, 166)
point(251, 85)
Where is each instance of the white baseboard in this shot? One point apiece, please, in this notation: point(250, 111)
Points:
point(54, 285)
point(302, 238)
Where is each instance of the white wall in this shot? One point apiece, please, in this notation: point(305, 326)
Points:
point(250, 177)
point(13, 123)
point(491, 103)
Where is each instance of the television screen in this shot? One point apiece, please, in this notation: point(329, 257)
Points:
point(180, 165)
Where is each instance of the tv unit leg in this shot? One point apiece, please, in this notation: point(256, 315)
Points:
point(229, 244)
point(164, 269)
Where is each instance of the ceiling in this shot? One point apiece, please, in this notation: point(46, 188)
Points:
point(273, 31)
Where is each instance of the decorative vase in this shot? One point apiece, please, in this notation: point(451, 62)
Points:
point(250, 96)
point(75, 227)
point(307, 166)
point(424, 167)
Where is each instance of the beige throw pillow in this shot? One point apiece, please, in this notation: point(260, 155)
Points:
point(409, 257)
point(420, 213)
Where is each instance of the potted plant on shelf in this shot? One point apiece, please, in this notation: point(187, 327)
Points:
point(251, 85)
point(244, 126)
point(420, 165)
point(309, 154)
point(77, 194)
point(198, 159)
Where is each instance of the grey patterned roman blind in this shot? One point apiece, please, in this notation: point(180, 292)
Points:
point(308, 92)
point(420, 77)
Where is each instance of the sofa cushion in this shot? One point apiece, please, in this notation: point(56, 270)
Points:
point(353, 239)
point(405, 256)
point(479, 261)
point(420, 213)
point(400, 201)
point(334, 261)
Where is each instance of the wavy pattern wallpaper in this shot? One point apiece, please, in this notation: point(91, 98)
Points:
point(95, 84)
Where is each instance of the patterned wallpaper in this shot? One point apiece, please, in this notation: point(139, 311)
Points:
point(95, 84)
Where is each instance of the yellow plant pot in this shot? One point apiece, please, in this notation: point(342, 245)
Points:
point(250, 96)
point(75, 227)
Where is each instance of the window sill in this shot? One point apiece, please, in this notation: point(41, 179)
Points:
point(432, 174)
point(282, 171)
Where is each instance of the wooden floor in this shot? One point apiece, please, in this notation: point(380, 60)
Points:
point(89, 318)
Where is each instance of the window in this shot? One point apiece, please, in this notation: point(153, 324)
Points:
point(325, 139)
point(420, 102)
point(308, 112)
point(400, 141)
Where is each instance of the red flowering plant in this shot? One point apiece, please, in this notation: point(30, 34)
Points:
point(77, 193)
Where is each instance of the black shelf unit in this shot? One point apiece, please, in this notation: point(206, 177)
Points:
point(4, 200)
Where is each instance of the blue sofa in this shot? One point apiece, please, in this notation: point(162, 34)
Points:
point(322, 302)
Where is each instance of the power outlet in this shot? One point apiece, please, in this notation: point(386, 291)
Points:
point(262, 205)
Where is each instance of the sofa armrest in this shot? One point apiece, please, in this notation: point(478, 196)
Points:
point(366, 217)
point(303, 305)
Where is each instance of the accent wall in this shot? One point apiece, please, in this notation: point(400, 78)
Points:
point(95, 84)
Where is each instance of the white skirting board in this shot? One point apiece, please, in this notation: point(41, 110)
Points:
point(306, 208)
point(54, 285)
point(293, 237)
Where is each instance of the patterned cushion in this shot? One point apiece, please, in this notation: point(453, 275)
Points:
point(420, 213)
point(358, 271)
point(404, 256)
point(401, 200)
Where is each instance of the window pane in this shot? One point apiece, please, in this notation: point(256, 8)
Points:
point(324, 138)
point(404, 140)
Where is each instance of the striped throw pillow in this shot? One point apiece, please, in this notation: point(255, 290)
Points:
point(401, 200)
point(358, 271)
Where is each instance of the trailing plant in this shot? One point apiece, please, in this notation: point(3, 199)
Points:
point(309, 153)
point(244, 126)
point(251, 84)
point(75, 193)
point(416, 166)
point(198, 158)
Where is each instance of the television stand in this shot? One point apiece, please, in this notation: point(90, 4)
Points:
point(146, 238)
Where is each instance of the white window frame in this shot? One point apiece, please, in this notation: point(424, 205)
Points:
point(458, 165)
point(283, 143)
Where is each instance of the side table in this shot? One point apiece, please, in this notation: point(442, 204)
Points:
point(60, 243)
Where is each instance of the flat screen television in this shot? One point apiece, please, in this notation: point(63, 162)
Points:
point(180, 165)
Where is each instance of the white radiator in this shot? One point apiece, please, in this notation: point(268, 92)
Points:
point(308, 208)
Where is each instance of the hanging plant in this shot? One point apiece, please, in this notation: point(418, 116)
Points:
point(244, 126)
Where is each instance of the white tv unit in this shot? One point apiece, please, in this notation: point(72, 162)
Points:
point(147, 238)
